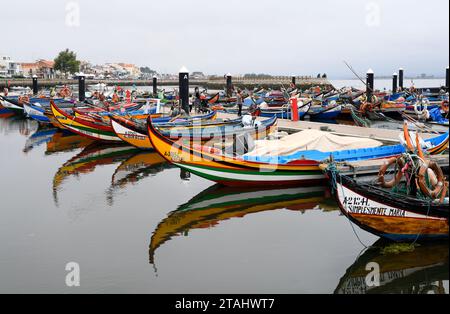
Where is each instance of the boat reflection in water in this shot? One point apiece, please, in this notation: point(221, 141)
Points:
point(16, 124)
point(421, 271)
point(137, 167)
point(41, 136)
point(57, 140)
point(219, 203)
point(92, 156)
point(66, 141)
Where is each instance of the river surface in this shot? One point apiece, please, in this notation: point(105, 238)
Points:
point(134, 224)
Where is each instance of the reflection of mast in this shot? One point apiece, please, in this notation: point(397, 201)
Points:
point(185, 175)
point(217, 204)
point(413, 272)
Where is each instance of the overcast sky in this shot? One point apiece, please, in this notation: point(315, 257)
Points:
point(237, 36)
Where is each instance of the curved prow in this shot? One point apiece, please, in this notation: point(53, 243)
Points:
point(408, 141)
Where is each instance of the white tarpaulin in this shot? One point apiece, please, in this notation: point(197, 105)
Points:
point(310, 140)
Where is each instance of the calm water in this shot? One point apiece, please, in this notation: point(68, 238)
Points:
point(134, 226)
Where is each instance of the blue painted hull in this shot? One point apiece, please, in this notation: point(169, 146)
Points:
point(412, 237)
point(327, 115)
point(4, 111)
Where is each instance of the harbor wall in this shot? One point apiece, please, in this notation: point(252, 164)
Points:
point(273, 82)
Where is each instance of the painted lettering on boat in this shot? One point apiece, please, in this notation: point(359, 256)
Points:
point(361, 205)
point(175, 157)
point(133, 135)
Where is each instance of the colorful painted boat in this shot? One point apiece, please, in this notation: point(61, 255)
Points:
point(135, 133)
point(133, 110)
point(325, 113)
point(436, 145)
point(286, 113)
point(218, 204)
point(215, 131)
point(393, 216)
point(85, 126)
point(15, 103)
point(5, 112)
point(37, 111)
point(11, 105)
point(421, 270)
point(211, 164)
point(243, 170)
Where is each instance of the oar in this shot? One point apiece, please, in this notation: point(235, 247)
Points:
point(351, 69)
point(418, 124)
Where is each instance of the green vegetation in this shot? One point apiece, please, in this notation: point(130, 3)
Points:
point(67, 62)
point(397, 248)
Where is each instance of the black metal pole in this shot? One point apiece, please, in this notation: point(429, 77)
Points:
point(81, 87)
point(400, 78)
point(447, 79)
point(184, 89)
point(294, 80)
point(155, 86)
point(229, 85)
point(394, 83)
point(35, 85)
point(370, 84)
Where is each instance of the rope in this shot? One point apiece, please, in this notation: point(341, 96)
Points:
point(419, 234)
point(333, 169)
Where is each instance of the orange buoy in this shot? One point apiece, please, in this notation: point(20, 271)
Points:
point(398, 176)
point(437, 189)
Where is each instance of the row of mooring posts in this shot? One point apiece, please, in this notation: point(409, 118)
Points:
point(397, 81)
point(397, 85)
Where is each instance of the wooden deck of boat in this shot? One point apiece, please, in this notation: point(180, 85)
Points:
point(368, 167)
point(338, 129)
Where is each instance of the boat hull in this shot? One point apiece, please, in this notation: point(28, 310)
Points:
point(395, 221)
point(232, 171)
point(83, 127)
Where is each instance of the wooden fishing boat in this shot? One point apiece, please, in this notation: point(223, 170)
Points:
point(135, 110)
point(215, 131)
point(16, 103)
point(85, 126)
point(388, 213)
point(325, 112)
point(421, 270)
point(238, 168)
point(135, 132)
point(5, 112)
point(286, 112)
point(98, 129)
point(211, 164)
point(11, 105)
point(37, 112)
point(217, 204)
